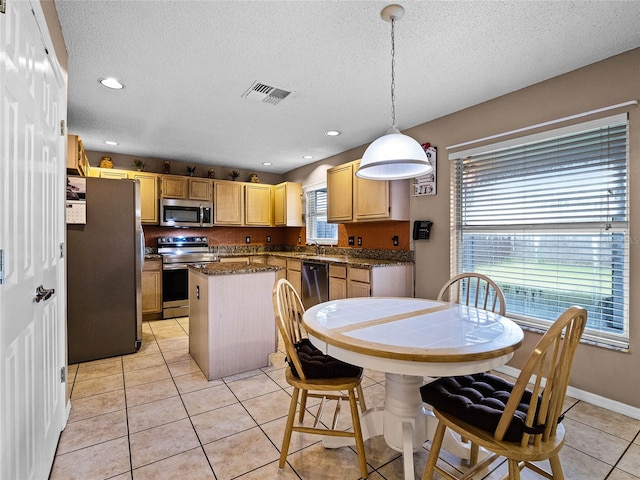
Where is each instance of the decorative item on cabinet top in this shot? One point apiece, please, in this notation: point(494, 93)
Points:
point(253, 178)
point(191, 170)
point(166, 167)
point(105, 162)
point(234, 174)
point(211, 173)
point(139, 164)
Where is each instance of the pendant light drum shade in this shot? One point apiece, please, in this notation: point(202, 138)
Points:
point(394, 156)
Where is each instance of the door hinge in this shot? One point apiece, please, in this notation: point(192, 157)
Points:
point(1, 267)
point(62, 250)
point(63, 374)
point(62, 124)
point(3, 6)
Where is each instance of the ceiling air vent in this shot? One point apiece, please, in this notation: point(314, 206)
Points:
point(265, 93)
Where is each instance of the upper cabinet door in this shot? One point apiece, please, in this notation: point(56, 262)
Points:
point(370, 198)
point(200, 189)
point(148, 196)
point(228, 203)
point(287, 211)
point(174, 186)
point(340, 193)
point(258, 204)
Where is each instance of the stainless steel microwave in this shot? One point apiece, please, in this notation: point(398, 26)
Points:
point(185, 213)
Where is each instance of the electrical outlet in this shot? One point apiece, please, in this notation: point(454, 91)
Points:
point(247, 239)
point(268, 238)
point(396, 240)
point(359, 241)
point(299, 239)
point(352, 241)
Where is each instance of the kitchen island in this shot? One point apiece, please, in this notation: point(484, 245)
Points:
point(231, 322)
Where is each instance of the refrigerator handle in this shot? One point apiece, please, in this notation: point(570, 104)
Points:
point(141, 234)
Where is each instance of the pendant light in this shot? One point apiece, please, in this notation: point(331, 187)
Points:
point(393, 156)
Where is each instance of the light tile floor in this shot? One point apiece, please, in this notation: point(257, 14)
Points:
point(153, 415)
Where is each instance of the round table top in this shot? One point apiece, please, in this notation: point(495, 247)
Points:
point(412, 335)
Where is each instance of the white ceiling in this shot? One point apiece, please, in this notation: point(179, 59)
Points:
point(186, 65)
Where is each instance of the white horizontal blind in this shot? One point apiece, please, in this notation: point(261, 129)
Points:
point(318, 230)
point(547, 221)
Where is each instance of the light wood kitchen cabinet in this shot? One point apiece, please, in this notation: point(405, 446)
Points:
point(354, 199)
point(234, 260)
point(258, 204)
point(340, 193)
point(387, 281)
point(151, 287)
point(175, 186)
point(77, 161)
point(148, 190)
point(148, 196)
point(370, 197)
point(287, 210)
point(200, 189)
point(358, 282)
point(337, 282)
point(228, 203)
point(112, 173)
point(294, 274)
point(278, 262)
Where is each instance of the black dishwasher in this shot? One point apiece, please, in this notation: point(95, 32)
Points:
point(315, 283)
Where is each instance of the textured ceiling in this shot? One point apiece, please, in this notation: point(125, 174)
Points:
point(186, 65)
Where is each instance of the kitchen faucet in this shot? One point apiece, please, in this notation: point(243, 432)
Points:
point(314, 242)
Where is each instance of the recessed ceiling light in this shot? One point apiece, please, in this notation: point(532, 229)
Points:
point(111, 83)
point(308, 157)
point(332, 133)
point(266, 164)
point(111, 142)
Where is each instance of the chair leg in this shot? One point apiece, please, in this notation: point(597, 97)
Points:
point(289, 428)
point(514, 469)
point(361, 401)
point(357, 431)
point(303, 406)
point(473, 454)
point(556, 468)
point(436, 445)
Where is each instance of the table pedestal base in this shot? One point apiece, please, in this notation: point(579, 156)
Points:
point(404, 422)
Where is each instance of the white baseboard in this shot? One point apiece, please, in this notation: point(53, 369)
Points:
point(588, 397)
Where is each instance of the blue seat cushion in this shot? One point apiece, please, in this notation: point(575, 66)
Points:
point(479, 400)
point(316, 364)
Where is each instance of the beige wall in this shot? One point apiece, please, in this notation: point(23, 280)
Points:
point(596, 370)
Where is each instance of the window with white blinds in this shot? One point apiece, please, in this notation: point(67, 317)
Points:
point(318, 230)
point(545, 217)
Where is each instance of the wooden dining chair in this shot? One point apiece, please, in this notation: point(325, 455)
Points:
point(474, 289)
point(315, 375)
point(520, 421)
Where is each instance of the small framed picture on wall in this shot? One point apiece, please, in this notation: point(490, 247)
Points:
point(426, 184)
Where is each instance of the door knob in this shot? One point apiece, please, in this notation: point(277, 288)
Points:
point(44, 293)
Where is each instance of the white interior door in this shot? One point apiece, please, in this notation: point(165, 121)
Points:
point(32, 176)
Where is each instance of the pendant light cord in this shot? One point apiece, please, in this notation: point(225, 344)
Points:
point(393, 74)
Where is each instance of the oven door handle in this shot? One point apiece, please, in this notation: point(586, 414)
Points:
point(174, 266)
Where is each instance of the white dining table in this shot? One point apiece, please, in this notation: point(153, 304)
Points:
point(410, 339)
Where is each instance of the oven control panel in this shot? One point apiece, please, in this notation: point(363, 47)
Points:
point(183, 241)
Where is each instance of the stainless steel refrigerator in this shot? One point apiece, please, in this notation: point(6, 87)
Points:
point(104, 265)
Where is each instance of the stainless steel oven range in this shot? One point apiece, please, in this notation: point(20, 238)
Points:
point(177, 253)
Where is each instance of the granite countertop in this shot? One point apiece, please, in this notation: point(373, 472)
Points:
point(232, 268)
point(327, 258)
point(340, 259)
